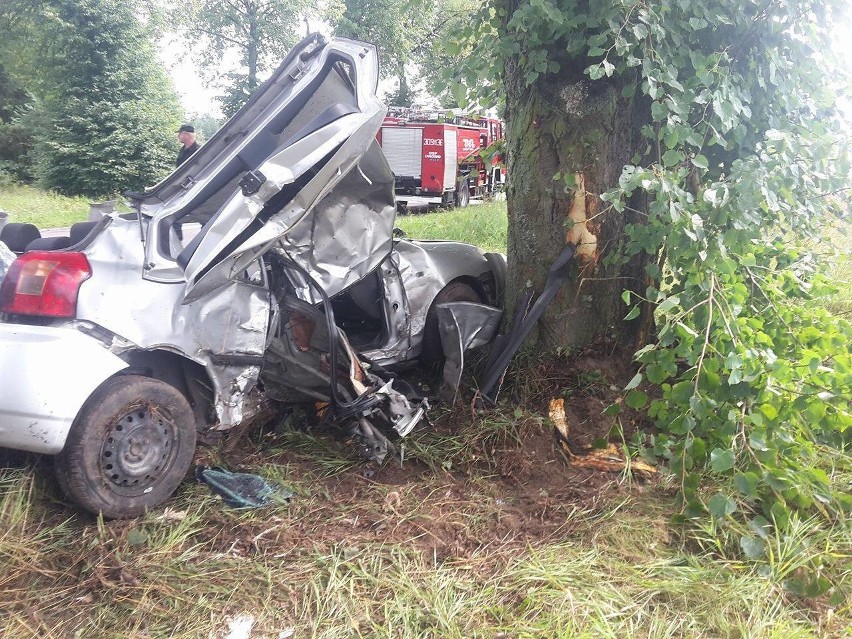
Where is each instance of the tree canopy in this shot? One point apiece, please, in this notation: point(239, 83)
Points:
point(259, 32)
point(103, 114)
point(412, 39)
point(695, 154)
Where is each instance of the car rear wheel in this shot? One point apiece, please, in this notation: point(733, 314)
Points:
point(129, 448)
point(432, 356)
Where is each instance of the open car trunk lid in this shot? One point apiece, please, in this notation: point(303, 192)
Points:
point(298, 166)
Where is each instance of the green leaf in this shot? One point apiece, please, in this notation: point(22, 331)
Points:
point(672, 157)
point(769, 411)
point(137, 537)
point(700, 161)
point(656, 374)
point(668, 304)
point(746, 483)
point(682, 392)
point(640, 31)
point(721, 460)
point(753, 547)
point(721, 506)
point(633, 314)
point(625, 296)
point(595, 72)
point(636, 399)
point(459, 92)
point(612, 409)
point(760, 526)
point(633, 383)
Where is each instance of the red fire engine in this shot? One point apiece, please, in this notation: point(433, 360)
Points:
point(437, 154)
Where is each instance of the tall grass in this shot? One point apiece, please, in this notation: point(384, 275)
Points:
point(42, 208)
point(838, 248)
point(483, 224)
point(614, 570)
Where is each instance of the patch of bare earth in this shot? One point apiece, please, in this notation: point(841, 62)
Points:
point(505, 482)
point(512, 487)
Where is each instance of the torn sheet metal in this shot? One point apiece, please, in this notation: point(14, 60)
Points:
point(403, 415)
point(349, 232)
point(463, 326)
point(557, 275)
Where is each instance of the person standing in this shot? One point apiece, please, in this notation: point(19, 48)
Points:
point(186, 135)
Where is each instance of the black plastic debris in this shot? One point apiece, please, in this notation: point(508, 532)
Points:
point(242, 490)
point(557, 275)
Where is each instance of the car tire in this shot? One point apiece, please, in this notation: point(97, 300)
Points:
point(432, 355)
point(129, 447)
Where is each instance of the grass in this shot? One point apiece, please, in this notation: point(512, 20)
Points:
point(42, 208)
point(481, 224)
point(417, 556)
point(838, 249)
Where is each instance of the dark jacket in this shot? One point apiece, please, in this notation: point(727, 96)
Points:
point(186, 152)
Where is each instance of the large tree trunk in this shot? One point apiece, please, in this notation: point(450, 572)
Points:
point(568, 125)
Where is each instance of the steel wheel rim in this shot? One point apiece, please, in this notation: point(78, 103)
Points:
point(138, 449)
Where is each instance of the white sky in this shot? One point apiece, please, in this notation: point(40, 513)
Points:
point(194, 97)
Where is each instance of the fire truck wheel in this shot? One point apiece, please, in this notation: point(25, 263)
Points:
point(432, 356)
point(462, 194)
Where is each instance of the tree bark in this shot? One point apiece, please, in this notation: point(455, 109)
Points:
point(568, 125)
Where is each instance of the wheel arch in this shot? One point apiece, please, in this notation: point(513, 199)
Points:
point(190, 378)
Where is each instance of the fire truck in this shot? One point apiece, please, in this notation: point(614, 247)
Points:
point(437, 154)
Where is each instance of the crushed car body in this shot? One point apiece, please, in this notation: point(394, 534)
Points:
point(264, 269)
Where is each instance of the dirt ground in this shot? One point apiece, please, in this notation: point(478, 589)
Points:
point(513, 483)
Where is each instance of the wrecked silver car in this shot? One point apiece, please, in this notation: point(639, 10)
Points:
point(120, 343)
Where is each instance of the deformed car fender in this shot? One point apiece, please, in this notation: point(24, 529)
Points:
point(463, 326)
point(46, 375)
point(427, 266)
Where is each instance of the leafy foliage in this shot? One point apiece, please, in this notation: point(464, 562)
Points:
point(747, 377)
point(259, 32)
point(395, 29)
point(104, 114)
point(412, 37)
point(15, 139)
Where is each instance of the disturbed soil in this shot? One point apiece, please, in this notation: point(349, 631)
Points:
point(511, 483)
point(514, 483)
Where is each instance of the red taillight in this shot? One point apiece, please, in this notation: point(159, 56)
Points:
point(44, 283)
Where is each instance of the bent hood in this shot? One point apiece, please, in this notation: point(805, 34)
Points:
point(297, 166)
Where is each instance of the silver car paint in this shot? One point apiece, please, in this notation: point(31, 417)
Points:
point(463, 326)
point(39, 401)
point(6, 259)
point(146, 315)
point(218, 311)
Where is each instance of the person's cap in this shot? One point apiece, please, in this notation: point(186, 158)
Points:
point(186, 127)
